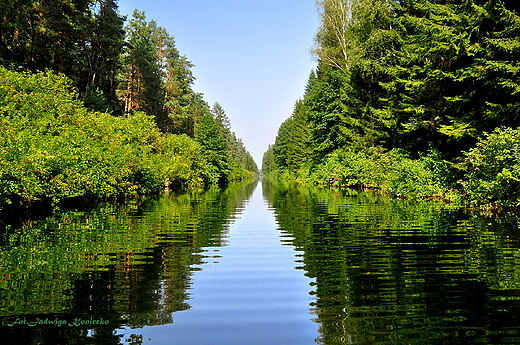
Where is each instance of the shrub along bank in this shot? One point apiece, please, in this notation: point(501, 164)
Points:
point(488, 177)
point(54, 150)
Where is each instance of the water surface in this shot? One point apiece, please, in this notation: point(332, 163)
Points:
point(261, 264)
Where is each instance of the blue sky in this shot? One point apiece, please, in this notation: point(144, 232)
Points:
point(251, 56)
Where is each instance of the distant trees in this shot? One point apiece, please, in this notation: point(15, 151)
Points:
point(239, 157)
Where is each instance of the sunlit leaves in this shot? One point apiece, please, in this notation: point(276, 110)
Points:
point(54, 150)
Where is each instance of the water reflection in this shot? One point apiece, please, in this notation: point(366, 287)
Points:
point(393, 272)
point(185, 269)
point(119, 264)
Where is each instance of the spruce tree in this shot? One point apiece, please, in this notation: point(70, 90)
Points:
point(299, 145)
point(456, 73)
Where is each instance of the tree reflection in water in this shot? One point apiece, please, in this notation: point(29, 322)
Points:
point(126, 263)
point(397, 272)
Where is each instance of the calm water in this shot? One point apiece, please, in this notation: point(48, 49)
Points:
point(261, 264)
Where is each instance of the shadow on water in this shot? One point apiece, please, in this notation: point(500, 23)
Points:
point(396, 272)
point(78, 277)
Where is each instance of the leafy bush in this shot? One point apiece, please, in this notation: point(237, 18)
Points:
point(413, 178)
point(390, 172)
point(53, 149)
point(179, 161)
point(493, 177)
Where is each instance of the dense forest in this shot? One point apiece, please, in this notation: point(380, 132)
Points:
point(416, 99)
point(94, 105)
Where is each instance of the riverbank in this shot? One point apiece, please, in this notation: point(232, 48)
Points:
point(55, 151)
point(488, 178)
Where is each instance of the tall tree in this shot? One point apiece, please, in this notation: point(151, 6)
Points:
point(299, 146)
point(221, 118)
point(268, 163)
point(325, 111)
point(331, 43)
point(39, 35)
point(371, 49)
point(215, 146)
point(140, 77)
point(100, 52)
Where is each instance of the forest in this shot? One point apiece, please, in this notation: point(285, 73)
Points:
point(95, 105)
point(414, 99)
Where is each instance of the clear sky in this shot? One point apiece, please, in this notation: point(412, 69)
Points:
point(251, 56)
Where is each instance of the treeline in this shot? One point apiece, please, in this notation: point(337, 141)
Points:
point(114, 114)
point(413, 98)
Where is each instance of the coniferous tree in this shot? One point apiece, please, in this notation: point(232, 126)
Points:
point(299, 145)
point(100, 52)
point(120, 70)
point(140, 77)
point(41, 35)
point(215, 146)
point(281, 144)
point(268, 163)
point(371, 45)
point(181, 102)
point(325, 111)
point(222, 119)
point(455, 75)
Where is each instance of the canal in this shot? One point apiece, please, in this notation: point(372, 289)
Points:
point(261, 263)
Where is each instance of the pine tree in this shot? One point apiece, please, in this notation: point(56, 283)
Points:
point(100, 51)
point(215, 146)
point(39, 35)
point(325, 111)
point(140, 77)
point(364, 124)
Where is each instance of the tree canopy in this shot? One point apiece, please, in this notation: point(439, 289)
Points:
point(417, 76)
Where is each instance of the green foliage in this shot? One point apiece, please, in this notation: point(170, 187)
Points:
point(179, 161)
point(215, 147)
point(156, 79)
point(53, 149)
point(298, 146)
point(324, 102)
point(282, 141)
point(139, 87)
point(455, 74)
point(331, 43)
point(100, 55)
point(243, 165)
point(493, 177)
point(268, 164)
point(389, 172)
point(396, 79)
point(80, 38)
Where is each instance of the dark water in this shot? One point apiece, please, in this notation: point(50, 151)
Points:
point(261, 264)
